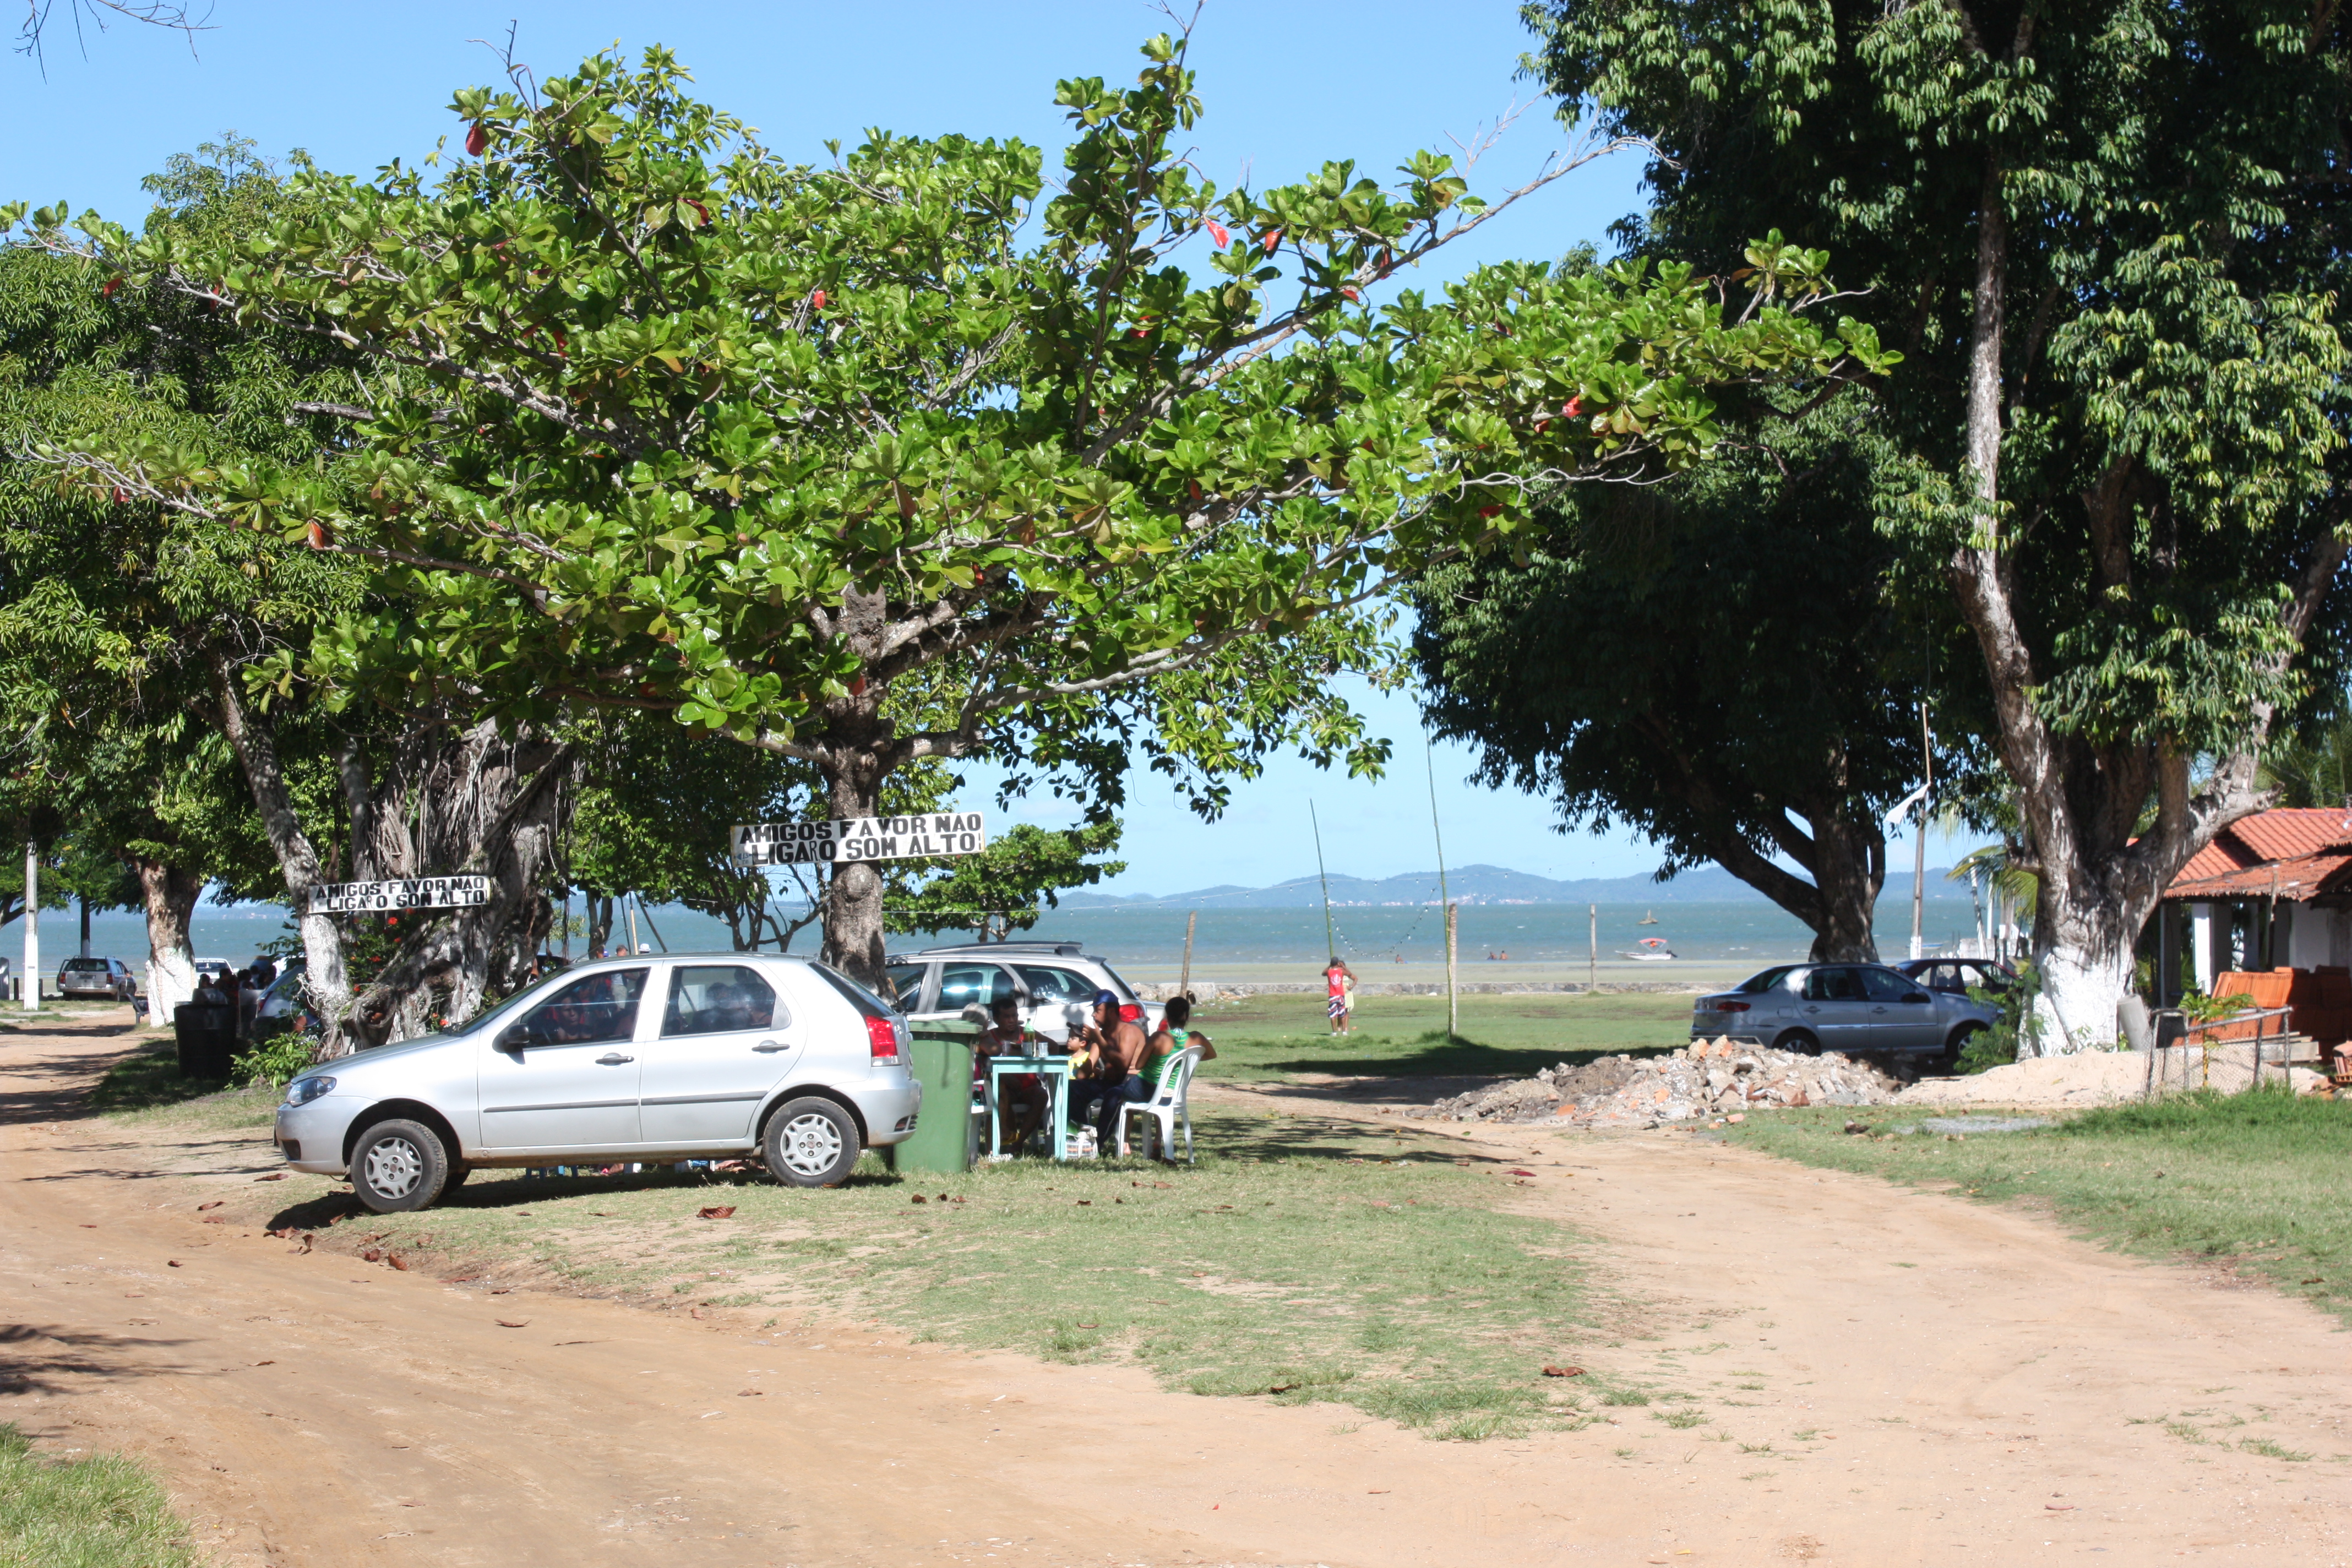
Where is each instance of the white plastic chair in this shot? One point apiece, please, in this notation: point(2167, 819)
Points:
point(1167, 1107)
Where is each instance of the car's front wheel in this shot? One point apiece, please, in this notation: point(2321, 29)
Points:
point(398, 1166)
point(811, 1143)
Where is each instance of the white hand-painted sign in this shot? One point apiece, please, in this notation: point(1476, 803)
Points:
point(415, 893)
point(854, 839)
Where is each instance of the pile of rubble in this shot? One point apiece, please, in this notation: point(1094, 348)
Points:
point(1706, 1077)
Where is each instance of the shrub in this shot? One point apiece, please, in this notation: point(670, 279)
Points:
point(274, 1061)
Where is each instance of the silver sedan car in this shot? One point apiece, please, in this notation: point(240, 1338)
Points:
point(1853, 1008)
point(640, 1058)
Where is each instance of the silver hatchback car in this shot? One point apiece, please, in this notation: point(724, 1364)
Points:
point(683, 1056)
point(1852, 1008)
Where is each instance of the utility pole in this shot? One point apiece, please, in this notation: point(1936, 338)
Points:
point(32, 927)
point(1445, 898)
point(1331, 942)
point(1919, 856)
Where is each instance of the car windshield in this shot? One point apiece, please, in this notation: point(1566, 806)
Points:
point(1766, 980)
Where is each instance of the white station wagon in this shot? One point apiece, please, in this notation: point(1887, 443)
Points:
point(683, 1056)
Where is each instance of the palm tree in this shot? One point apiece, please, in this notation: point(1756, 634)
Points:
point(2312, 765)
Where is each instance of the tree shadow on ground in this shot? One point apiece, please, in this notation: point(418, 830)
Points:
point(1435, 1054)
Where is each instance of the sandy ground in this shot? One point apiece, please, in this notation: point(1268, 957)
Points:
point(1897, 1378)
point(2099, 1077)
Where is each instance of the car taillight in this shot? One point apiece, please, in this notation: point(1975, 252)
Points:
point(882, 1036)
point(1133, 1013)
point(1731, 1006)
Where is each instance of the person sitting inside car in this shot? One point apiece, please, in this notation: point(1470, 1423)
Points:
point(1020, 1098)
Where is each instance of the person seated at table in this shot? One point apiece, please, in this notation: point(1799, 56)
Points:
point(1022, 1098)
point(1170, 1040)
point(1117, 1049)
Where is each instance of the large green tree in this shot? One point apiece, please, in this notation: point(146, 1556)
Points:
point(1725, 663)
point(897, 458)
point(2106, 237)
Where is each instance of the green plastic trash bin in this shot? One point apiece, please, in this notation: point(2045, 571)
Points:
point(943, 1138)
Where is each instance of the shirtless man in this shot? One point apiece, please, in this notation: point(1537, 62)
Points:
point(1117, 1051)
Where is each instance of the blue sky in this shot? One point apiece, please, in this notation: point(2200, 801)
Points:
point(1287, 84)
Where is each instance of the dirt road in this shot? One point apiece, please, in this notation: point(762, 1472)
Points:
point(1887, 1378)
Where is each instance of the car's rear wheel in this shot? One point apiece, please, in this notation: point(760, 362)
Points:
point(1800, 1041)
point(398, 1166)
point(811, 1143)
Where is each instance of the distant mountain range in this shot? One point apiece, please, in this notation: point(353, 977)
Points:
point(1489, 885)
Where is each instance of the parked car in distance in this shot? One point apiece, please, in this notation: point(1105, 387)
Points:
point(219, 969)
point(1853, 1008)
point(680, 1057)
point(1055, 982)
point(281, 1005)
point(88, 977)
point(1958, 975)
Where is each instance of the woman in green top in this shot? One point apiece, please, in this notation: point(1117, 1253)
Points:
point(1171, 1039)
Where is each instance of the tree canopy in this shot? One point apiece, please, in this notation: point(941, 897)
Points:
point(897, 458)
point(2106, 239)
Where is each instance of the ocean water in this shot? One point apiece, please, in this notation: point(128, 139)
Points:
point(1229, 943)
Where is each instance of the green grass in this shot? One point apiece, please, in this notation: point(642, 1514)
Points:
point(148, 1078)
point(1301, 1261)
point(1273, 1036)
point(2254, 1180)
point(98, 1512)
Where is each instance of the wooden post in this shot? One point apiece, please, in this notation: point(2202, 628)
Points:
point(1184, 985)
point(1592, 974)
point(1453, 1001)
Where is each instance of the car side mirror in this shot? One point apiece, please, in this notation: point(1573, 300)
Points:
point(513, 1038)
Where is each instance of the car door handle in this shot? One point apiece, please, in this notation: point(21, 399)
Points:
point(612, 1059)
point(773, 1045)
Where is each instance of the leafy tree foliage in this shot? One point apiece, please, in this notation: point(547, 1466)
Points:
point(2106, 237)
point(897, 460)
point(1723, 662)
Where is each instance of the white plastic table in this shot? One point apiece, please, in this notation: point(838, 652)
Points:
point(1055, 1070)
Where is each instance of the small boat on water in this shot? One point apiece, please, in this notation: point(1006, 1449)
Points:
point(1649, 918)
point(1650, 950)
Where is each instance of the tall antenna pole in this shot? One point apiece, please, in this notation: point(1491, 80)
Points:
point(1331, 942)
point(1444, 898)
point(1919, 849)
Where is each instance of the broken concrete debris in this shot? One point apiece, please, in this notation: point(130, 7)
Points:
point(1706, 1077)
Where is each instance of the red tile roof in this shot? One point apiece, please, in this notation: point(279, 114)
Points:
point(2297, 852)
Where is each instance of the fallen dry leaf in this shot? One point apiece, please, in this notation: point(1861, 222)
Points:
point(1519, 1173)
point(273, 1176)
point(373, 1255)
point(2059, 1507)
point(918, 1198)
point(216, 1219)
point(750, 1394)
point(716, 1211)
point(265, 1364)
point(397, 1262)
point(90, 1227)
point(1086, 1203)
point(503, 1291)
point(1563, 1372)
point(514, 1322)
point(170, 1262)
point(214, 1204)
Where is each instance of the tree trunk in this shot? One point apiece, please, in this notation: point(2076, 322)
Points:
point(170, 898)
point(600, 925)
point(854, 940)
point(1849, 870)
point(323, 945)
point(483, 803)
